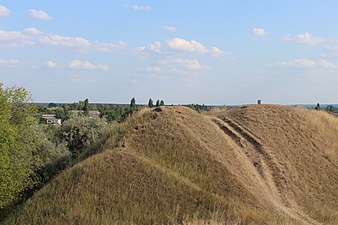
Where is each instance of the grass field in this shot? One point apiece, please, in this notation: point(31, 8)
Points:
point(259, 164)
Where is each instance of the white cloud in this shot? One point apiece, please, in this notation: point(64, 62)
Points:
point(14, 39)
point(169, 28)
point(4, 11)
point(32, 31)
point(306, 38)
point(51, 65)
point(11, 62)
point(190, 64)
point(139, 7)
point(216, 52)
point(307, 63)
point(192, 46)
point(63, 41)
point(32, 36)
point(86, 65)
point(39, 14)
point(184, 45)
point(259, 32)
point(155, 47)
point(175, 45)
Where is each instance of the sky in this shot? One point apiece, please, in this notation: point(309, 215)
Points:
point(204, 52)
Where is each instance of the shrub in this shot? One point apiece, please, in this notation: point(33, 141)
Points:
point(80, 132)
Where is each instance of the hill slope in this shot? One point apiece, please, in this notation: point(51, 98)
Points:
point(261, 164)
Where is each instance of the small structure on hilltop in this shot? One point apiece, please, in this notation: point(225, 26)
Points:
point(51, 119)
point(259, 101)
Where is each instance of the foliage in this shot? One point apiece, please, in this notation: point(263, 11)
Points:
point(17, 142)
point(330, 108)
point(317, 107)
point(25, 146)
point(114, 112)
point(48, 148)
point(132, 103)
point(200, 108)
point(150, 103)
point(161, 103)
point(86, 107)
point(157, 103)
point(81, 131)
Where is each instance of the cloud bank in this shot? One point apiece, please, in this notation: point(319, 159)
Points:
point(34, 37)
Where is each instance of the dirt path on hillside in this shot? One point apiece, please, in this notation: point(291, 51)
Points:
point(271, 175)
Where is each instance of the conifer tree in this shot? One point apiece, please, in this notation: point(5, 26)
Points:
point(150, 103)
point(86, 107)
point(133, 103)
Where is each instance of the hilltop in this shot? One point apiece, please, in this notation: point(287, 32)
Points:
point(258, 164)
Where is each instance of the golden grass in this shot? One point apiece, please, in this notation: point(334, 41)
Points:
point(177, 167)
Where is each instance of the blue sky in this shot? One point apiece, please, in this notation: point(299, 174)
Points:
point(211, 52)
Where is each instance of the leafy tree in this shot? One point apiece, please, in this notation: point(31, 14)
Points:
point(161, 103)
point(52, 105)
point(48, 148)
point(330, 108)
point(17, 142)
point(25, 146)
point(150, 103)
point(61, 113)
point(80, 105)
point(158, 103)
point(81, 131)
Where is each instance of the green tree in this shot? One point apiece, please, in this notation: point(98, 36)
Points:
point(132, 103)
point(317, 107)
point(330, 108)
point(158, 103)
point(132, 108)
point(161, 103)
point(81, 131)
point(80, 105)
point(17, 141)
point(150, 103)
point(86, 107)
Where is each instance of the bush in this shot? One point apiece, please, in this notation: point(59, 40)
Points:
point(80, 132)
point(49, 149)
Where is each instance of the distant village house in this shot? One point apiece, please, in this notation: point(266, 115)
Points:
point(51, 119)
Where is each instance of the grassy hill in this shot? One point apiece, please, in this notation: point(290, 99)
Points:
point(259, 164)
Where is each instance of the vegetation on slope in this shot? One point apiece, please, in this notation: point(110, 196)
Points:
point(173, 165)
point(303, 145)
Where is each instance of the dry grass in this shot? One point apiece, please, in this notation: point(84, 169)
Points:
point(177, 167)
